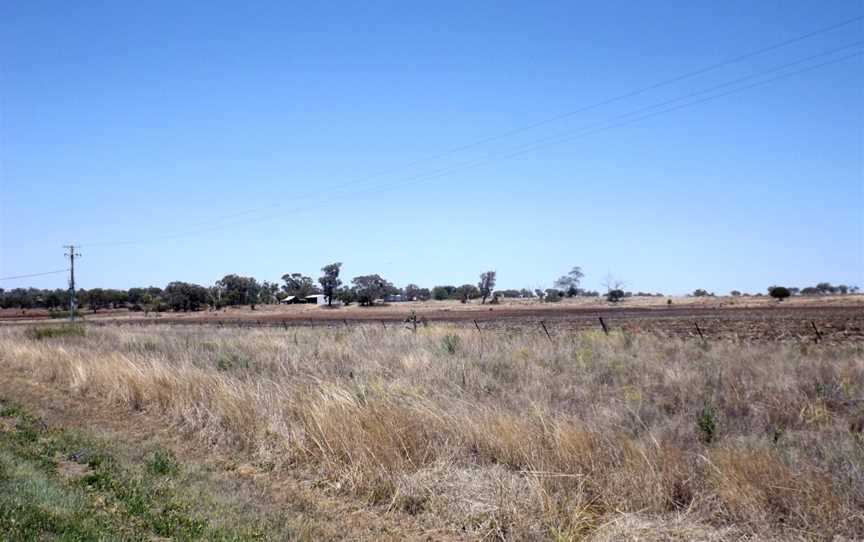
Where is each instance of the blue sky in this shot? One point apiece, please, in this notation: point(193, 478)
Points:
point(185, 141)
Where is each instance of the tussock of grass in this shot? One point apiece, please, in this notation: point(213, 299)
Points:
point(50, 332)
point(511, 435)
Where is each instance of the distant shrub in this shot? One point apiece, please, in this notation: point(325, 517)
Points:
point(228, 361)
point(699, 292)
point(440, 293)
point(553, 296)
point(55, 314)
point(614, 296)
point(68, 330)
point(735, 293)
point(779, 292)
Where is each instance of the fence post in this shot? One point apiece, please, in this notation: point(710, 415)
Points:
point(818, 334)
point(543, 325)
point(482, 347)
point(603, 324)
point(699, 331)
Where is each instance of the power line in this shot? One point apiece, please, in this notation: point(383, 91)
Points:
point(549, 120)
point(34, 275)
point(564, 137)
point(570, 136)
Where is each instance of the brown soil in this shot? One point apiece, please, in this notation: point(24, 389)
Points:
point(835, 323)
point(73, 470)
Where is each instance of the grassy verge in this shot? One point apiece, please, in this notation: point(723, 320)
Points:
point(509, 434)
point(57, 484)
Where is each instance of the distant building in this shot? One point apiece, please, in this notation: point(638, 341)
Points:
point(316, 299)
point(394, 298)
point(291, 300)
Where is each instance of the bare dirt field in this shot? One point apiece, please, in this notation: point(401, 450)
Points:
point(837, 318)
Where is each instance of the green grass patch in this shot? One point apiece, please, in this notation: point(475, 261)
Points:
point(102, 498)
point(51, 332)
point(227, 361)
point(162, 463)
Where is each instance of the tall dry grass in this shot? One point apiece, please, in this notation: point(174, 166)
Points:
point(511, 435)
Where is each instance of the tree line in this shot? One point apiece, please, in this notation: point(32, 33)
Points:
point(236, 290)
point(782, 292)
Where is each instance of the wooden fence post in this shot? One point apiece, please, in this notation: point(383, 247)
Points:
point(818, 334)
point(543, 325)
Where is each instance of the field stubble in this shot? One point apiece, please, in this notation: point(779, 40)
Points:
point(508, 435)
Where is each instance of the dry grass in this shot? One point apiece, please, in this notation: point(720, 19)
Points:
point(514, 436)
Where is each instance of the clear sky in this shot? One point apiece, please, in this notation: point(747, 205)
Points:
point(188, 140)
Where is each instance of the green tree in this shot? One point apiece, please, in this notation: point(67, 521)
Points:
point(440, 293)
point(369, 288)
point(570, 281)
point(330, 281)
point(269, 292)
point(183, 296)
point(553, 295)
point(97, 298)
point(486, 284)
point(779, 292)
point(614, 296)
point(826, 288)
point(466, 292)
point(237, 290)
point(345, 296)
point(299, 285)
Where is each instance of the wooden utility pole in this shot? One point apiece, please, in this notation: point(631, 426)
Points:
point(72, 253)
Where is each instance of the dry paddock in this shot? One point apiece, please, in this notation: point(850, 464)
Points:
point(801, 323)
point(504, 435)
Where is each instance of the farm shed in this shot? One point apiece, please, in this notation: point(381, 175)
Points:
point(317, 299)
point(291, 299)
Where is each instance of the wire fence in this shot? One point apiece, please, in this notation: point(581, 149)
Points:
point(835, 328)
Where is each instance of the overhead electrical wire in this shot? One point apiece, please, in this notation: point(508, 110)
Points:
point(614, 122)
point(549, 120)
point(35, 275)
